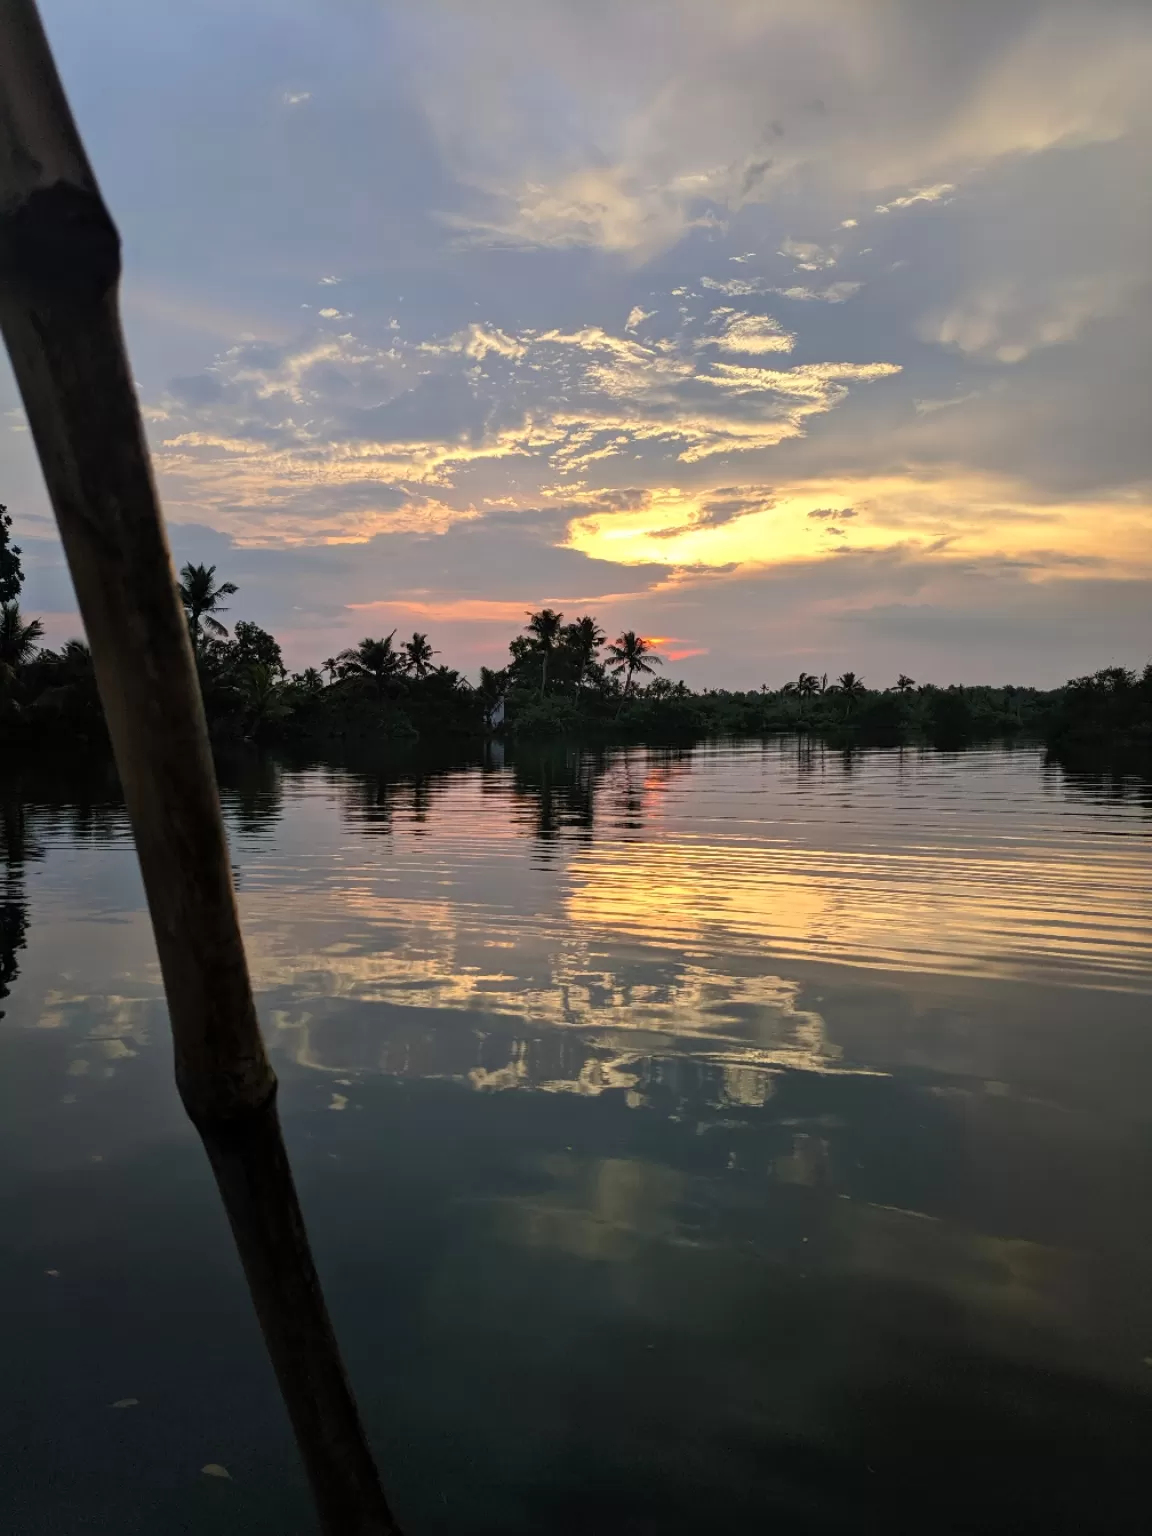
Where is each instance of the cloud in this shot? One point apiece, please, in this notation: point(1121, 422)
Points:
point(716, 509)
point(823, 384)
point(967, 371)
point(751, 334)
point(981, 519)
point(808, 256)
point(936, 194)
point(834, 293)
point(1007, 321)
point(735, 287)
point(477, 341)
point(296, 98)
point(664, 107)
point(606, 207)
point(927, 407)
point(941, 619)
point(390, 434)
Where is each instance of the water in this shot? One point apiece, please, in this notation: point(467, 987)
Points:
point(739, 1138)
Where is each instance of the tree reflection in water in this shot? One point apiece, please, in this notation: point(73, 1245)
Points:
point(14, 850)
point(13, 928)
point(40, 800)
point(659, 1203)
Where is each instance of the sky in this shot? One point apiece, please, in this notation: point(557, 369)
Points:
point(792, 334)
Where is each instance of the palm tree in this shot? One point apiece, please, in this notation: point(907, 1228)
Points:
point(905, 684)
point(17, 639)
point(332, 667)
point(493, 684)
point(263, 695)
point(11, 574)
point(851, 687)
point(201, 598)
point(375, 660)
point(544, 627)
point(630, 653)
point(418, 655)
point(806, 685)
point(493, 687)
point(76, 657)
point(583, 639)
point(310, 679)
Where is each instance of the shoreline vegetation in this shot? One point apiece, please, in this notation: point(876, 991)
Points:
point(563, 678)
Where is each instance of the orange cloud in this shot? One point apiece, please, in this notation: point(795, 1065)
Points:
point(681, 653)
point(964, 512)
point(473, 610)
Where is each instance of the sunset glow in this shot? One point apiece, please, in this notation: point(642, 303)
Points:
point(798, 331)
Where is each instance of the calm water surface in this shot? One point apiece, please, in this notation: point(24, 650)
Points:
point(743, 1138)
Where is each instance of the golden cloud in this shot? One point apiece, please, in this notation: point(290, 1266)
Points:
point(964, 515)
point(280, 446)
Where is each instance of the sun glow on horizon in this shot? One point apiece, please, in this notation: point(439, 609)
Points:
point(960, 515)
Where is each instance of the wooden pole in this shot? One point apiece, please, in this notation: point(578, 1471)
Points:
point(59, 276)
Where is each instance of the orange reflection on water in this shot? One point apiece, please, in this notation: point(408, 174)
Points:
point(941, 907)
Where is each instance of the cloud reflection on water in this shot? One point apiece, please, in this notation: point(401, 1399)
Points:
point(793, 1101)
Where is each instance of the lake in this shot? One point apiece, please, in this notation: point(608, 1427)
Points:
point(731, 1138)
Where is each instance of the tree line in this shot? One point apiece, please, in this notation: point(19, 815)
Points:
point(562, 677)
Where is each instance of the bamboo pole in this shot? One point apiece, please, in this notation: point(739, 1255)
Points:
point(59, 277)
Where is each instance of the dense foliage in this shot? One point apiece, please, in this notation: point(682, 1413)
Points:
point(1114, 703)
point(562, 677)
point(11, 573)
